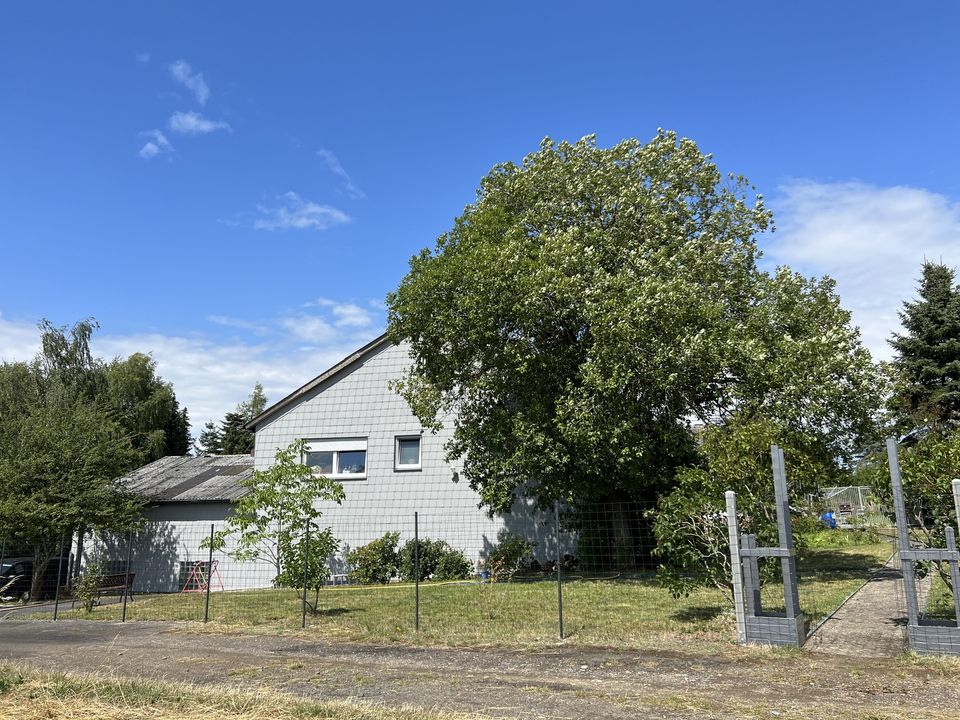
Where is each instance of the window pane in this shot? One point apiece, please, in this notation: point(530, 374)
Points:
point(321, 461)
point(353, 462)
point(408, 451)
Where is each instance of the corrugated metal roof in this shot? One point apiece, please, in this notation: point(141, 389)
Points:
point(209, 478)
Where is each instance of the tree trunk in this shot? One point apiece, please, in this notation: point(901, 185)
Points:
point(41, 560)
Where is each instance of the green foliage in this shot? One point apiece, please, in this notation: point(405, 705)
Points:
point(926, 469)
point(509, 556)
point(376, 562)
point(210, 441)
point(273, 519)
point(825, 539)
point(66, 435)
point(453, 565)
point(147, 408)
point(927, 381)
point(85, 587)
point(232, 436)
point(438, 561)
point(691, 524)
point(591, 301)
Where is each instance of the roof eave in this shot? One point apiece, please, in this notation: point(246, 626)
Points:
point(345, 364)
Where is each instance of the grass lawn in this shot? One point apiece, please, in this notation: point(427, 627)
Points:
point(623, 613)
point(32, 695)
point(940, 604)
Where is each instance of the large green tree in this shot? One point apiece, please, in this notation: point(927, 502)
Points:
point(592, 302)
point(927, 361)
point(147, 408)
point(61, 448)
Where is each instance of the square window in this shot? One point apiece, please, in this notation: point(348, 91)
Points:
point(321, 461)
point(352, 462)
point(407, 456)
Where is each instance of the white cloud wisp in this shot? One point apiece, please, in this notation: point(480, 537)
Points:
point(194, 82)
point(295, 213)
point(872, 240)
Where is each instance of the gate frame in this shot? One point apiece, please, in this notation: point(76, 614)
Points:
point(753, 624)
point(925, 636)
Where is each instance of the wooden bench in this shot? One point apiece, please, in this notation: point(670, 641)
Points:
point(116, 583)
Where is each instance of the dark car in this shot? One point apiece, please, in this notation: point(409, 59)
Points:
point(19, 570)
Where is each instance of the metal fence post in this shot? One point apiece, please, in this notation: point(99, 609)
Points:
point(735, 567)
point(416, 570)
point(126, 578)
point(56, 593)
point(306, 575)
point(206, 601)
point(556, 519)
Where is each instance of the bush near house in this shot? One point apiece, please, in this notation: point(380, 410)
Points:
point(438, 561)
point(376, 562)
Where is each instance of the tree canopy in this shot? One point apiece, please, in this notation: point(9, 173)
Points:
point(230, 436)
point(70, 426)
point(927, 362)
point(592, 303)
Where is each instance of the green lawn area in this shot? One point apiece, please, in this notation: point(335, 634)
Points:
point(631, 613)
point(940, 605)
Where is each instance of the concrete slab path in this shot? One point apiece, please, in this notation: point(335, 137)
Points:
point(870, 623)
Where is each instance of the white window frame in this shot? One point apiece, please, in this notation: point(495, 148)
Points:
point(336, 447)
point(397, 467)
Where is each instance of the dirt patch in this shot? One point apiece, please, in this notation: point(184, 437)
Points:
point(558, 682)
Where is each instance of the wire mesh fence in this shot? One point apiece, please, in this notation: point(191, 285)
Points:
point(432, 574)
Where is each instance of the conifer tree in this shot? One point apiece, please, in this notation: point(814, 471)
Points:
point(927, 363)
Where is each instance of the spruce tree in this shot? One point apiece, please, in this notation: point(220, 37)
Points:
point(927, 362)
point(210, 441)
point(236, 439)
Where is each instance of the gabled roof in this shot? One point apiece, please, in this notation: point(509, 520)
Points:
point(209, 478)
point(328, 375)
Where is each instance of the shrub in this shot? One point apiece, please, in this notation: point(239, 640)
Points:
point(510, 555)
point(453, 565)
point(85, 587)
point(375, 562)
point(430, 553)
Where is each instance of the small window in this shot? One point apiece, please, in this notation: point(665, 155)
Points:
point(321, 461)
point(344, 459)
point(407, 455)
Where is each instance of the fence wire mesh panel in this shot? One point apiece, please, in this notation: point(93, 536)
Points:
point(434, 572)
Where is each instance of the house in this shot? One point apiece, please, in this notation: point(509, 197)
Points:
point(362, 433)
point(185, 497)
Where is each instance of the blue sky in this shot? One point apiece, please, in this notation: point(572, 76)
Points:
point(235, 188)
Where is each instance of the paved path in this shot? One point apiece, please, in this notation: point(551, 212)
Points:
point(869, 624)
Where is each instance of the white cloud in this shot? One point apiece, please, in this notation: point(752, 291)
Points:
point(211, 376)
point(334, 166)
point(350, 315)
point(194, 82)
point(312, 328)
point(295, 213)
point(18, 340)
point(872, 240)
point(192, 123)
point(156, 145)
point(239, 323)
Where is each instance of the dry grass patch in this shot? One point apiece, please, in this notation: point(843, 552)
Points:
point(32, 695)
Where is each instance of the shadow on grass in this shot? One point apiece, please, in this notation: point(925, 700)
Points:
point(698, 613)
point(839, 564)
point(334, 612)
